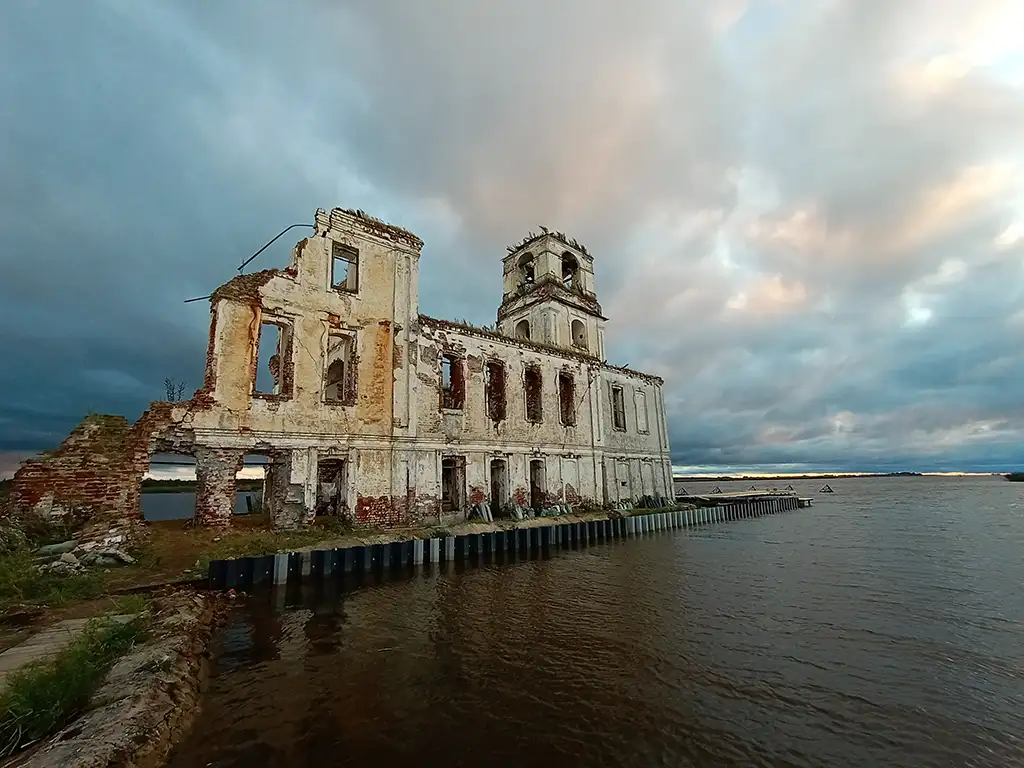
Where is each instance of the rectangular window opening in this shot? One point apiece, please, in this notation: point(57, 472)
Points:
point(494, 390)
point(344, 268)
point(272, 356)
point(641, 412)
point(534, 392)
point(453, 384)
point(453, 484)
point(340, 374)
point(618, 409)
point(567, 398)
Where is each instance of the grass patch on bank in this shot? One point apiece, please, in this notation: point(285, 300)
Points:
point(252, 542)
point(41, 698)
point(22, 582)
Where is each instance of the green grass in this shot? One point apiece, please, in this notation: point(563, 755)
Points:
point(127, 604)
point(41, 698)
point(21, 581)
point(254, 542)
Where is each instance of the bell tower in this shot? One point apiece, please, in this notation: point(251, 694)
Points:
point(549, 294)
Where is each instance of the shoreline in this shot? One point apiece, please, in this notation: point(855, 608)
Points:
point(398, 551)
point(148, 700)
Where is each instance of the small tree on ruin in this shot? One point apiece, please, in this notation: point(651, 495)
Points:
point(174, 390)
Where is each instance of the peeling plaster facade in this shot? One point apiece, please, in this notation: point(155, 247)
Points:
point(373, 411)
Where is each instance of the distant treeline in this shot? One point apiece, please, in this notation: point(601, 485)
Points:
point(1015, 477)
point(184, 486)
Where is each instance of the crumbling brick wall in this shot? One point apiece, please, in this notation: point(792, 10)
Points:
point(96, 472)
point(215, 485)
point(382, 511)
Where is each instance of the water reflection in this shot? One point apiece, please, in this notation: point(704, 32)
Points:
point(861, 632)
point(182, 506)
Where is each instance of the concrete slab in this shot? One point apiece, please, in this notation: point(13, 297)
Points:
point(45, 644)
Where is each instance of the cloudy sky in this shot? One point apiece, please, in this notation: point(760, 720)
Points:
point(807, 215)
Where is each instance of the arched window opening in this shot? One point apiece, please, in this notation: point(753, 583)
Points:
point(526, 267)
point(579, 334)
point(570, 271)
point(523, 329)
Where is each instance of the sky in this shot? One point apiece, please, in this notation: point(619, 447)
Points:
point(806, 215)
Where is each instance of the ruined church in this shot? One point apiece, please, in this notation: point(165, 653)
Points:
point(364, 408)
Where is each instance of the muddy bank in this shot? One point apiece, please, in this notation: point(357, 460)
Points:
point(149, 698)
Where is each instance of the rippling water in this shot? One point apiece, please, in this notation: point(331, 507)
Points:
point(883, 626)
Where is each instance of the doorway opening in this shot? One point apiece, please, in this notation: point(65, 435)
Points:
point(537, 484)
point(453, 485)
point(331, 488)
point(499, 486)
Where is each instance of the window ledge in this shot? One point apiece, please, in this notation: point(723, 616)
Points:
point(271, 397)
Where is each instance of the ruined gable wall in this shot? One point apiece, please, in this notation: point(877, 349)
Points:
point(299, 427)
point(302, 298)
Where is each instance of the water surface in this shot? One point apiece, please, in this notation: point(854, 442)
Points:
point(181, 505)
point(883, 626)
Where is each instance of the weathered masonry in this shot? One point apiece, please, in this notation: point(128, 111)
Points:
point(364, 408)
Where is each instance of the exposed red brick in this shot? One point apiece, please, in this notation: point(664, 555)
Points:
point(96, 472)
point(245, 287)
point(384, 511)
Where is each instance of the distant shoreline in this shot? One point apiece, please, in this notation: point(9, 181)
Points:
point(187, 486)
point(836, 476)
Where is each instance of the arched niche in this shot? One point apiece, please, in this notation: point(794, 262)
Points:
point(578, 331)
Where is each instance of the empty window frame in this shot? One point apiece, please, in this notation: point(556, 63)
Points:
point(618, 409)
point(567, 398)
point(526, 268)
point(533, 391)
point(570, 271)
point(340, 374)
point(640, 399)
point(453, 382)
point(344, 268)
point(523, 330)
point(494, 390)
point(273, 353)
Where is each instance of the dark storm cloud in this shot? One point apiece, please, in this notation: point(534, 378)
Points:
point(802, 213)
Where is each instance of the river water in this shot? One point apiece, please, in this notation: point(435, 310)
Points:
point(884, 626)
